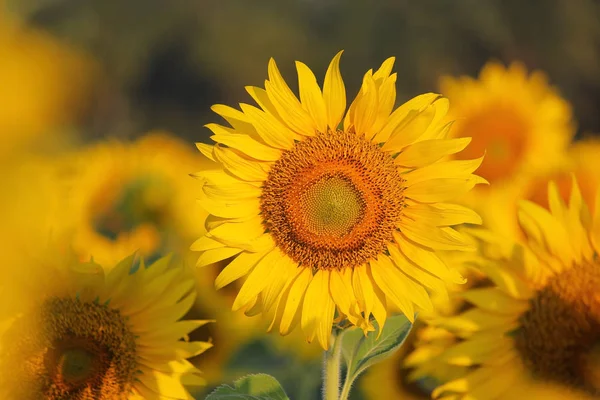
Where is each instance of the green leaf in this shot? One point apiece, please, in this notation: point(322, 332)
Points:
point(250, 387)
point(360, 351)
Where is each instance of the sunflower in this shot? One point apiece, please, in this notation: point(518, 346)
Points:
point(70, 330)
point(324, 217)
point(73, 333)
point(519, 121)
point(521, 124)
point(538, 322)
point(126, 197)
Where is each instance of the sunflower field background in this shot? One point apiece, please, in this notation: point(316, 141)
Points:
point(103, 104)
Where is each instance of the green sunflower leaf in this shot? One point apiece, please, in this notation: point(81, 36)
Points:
point(250, 387)
point(360, 351)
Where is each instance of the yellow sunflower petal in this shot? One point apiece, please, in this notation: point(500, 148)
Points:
point(444, 169)
point(294, 299)
point(436, 238)
point(340, 286)
point(390, 281)
point(273, 132)
point(442, 189)
point(427, 260)
point(286, 271)
point(363, 111)
point(286, 103)
point(363, 289)
point(311, 96)
point(334, 93)
point(244, 143)
point(240, 166)
point(418, 274)
point(258, 278)
point(239, 267)
point(235, 118)
point(206, 150)
point(427, 152)
point(409, 110)
point(311, 317)
point(214, 255)
point(495, 300)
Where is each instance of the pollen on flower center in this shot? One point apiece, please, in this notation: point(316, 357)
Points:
point(562, 327)
point(73, 349)
point(333, 201)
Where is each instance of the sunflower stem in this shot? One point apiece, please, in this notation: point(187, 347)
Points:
point(331, 370)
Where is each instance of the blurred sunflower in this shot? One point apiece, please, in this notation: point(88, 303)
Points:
point(44, 84)
point(521, 124)
point(126, 197)
point(70, 332)
point(539, 321)
point(67, 329)
point(323, 217)
point(519, 121)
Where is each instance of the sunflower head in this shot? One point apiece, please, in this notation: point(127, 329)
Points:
point(326, 217)
point(72, 331)
point(126, 197)
point(516, 118)
point(537, 322)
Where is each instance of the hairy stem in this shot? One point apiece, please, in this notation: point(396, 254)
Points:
point(331, 370)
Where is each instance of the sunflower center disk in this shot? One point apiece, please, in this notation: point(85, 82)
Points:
point(122, 207)
point(72, 349)
point(76, 365)
point(332, 206)
point(559, 338)
point(333, 201)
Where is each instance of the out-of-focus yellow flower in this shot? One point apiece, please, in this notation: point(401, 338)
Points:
point(126, 197)
point(326, 209)
point(521, 124)
point(74, 333)
point(44, 85)
point(69, 329)
point(516, 119)
point(538, 322)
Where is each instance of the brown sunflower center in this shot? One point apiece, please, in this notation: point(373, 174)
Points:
point(333, 201)
point(560, 334)
point(72, 350)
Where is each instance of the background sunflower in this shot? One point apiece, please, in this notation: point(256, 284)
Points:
point(510, 340)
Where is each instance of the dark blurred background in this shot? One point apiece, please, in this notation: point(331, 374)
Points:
point(164, 63)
